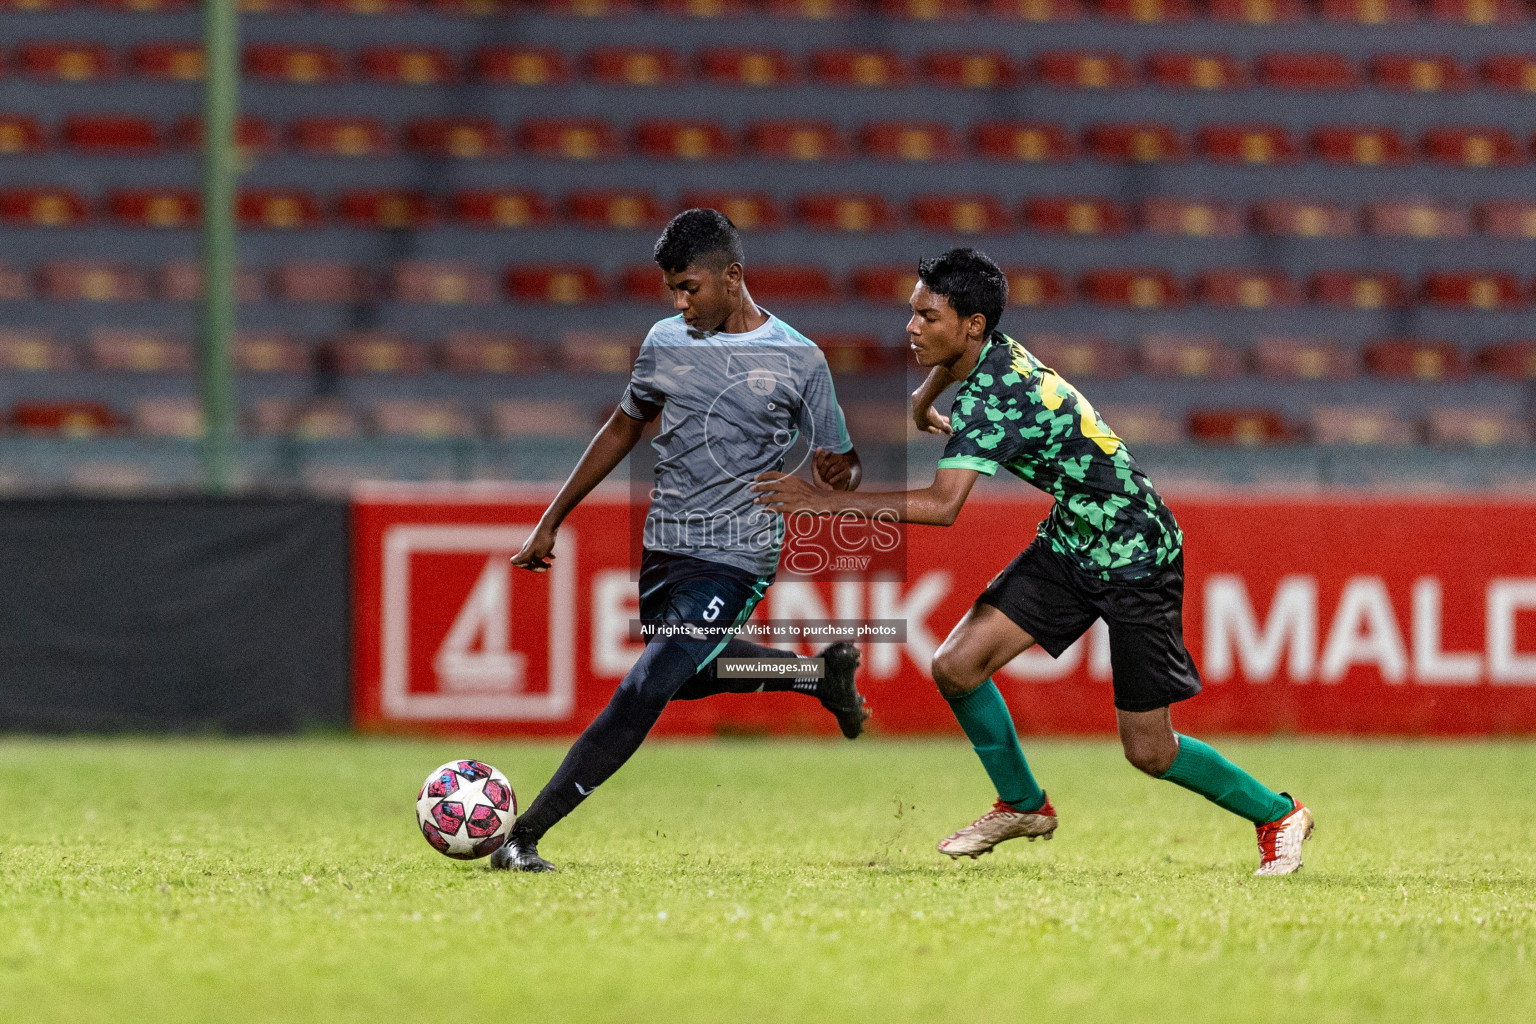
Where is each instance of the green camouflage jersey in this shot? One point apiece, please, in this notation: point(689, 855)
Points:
point(1014, 412)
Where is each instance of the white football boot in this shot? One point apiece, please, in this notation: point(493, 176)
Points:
point(1001, 823)
point(1280, 841)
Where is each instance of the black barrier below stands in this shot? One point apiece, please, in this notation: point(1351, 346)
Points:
point(173, 614)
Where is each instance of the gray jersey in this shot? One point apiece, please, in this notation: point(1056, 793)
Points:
point(732, 406)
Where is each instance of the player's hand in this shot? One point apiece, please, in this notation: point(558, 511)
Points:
point(536, 552)
point(785, 494)
point(833, 471)
point(929, 420)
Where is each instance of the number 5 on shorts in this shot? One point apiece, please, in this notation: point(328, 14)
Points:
point(713, 611)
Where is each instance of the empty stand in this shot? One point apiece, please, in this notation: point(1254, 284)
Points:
point(1200, 71)
point(1037, 286)
point(1363, 146)
point(615, 208)
point(683, 140)
point(1290, 218)
point(1358, 289)
point(1080, 355)
point(909, 141)
point(846, 211)
point(118, 350)
point(1414, 359)
point(402, 65)
point(442, 283)
point(859, 69)
point(154, 208)
point(1194, 218)
point(748, 68)
point(749, 211)
point(1248, 144)
point(473, 352)
point(376, 353)
point(961, 215)
point(341, 136)
point(322, 282)
point(1424, 72)
point(1131, 288)
point(1303, 359)
point(635, 68)
point(278, 209)
point(1241, 426)
point(388, 209)
point(520, 66)
point(1361, 425)
point(462, 138)
point(965, 69)
point(42, 207)
point(561, 285)
point(294, 65)
point(1134, 143)
point(21, 133)
point(500, 208)
point(1069, 69)
point(807, 141)
point(1195, 357)
point(1077, 216)
point(1417, 220)
point(568, 139)
point(1476, 427)
point(1022, 141)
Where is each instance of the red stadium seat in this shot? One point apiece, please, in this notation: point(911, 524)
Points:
point(323, 419)
point(1247, 289)
point(1477, 426)
point(1195, 357)
point(890, 285)
point(270, 6)
point(1365, 146)
point(66, 419)
point(1414, 359)
point(341, 136)
point(1508, 219)
point(1310, 72)
point(1360, 425)
point(1293, 219)
point(1146, 12)
point(910, 141)
point(168, 417)
point(643, 281)
point(962, 215)
point(425, 419)
point(1022, 141)
point(365, 7)
point(503, 208)
point(66, 62)
point(758, 69)
point(1490, 290)
point(1477, 12)
point(807, 141)
point(1196, 218)
point(749, 211)
point(389, 209)
point(1510, 72)
point(1131, 288)
point(277, 209)
point(521, 65)
point(472, 8)
point(490, 352)
point(441, 284)
point(635, 68)
point(1085, 215)
point(138, 351)
point(614, 208)
point(812, 10)
point(924, 10)
point(852, 212)
point(1472, 147)
point(1080, 355)
point(298, 65)
point(1303, 359)
point(1359, 289)
point(1368, 12)
point(791, 283)
point(461, 138)
point(91, 281)
point(146, 6)
point(587, 8)
point(32, 351)
point(1258, 12)
point(1417, 220)
point(44, 207)
point(1515, 360)
point(167, 62)
point(861, 353)
point(1208, 72)
point(1247, 427)
point(561, 285)
point(322, 282)
point(1070, 69)
point(704, 8)
point(683, 140)
point(1426, 72)
point(376, 353)
point(862, 69)
point(252, 135)
point(1138, 425)
point(270, 352)
point(967, 69)
point(400, 65)
point(1036, 286)
point(111, 135)
point(1035, 11)
point(1248, 144)
point(37, 6)
point(182, 281)
point(1134, 143)
point(569, 138)
point(154, 207)
point(20, 133)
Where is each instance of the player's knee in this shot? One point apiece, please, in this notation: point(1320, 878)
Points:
point(1151, 754)
point(954, 675)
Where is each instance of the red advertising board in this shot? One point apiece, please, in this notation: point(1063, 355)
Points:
point(1307, 615)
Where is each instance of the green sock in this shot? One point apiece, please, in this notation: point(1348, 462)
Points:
point(983, 714)
point(1201, 769)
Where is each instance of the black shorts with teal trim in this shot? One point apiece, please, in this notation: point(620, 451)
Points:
point(680, 588)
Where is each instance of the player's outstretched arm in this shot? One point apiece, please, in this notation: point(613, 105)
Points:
point(929, 420)
point(935, 505)
point(614, 441)
point(841, 471)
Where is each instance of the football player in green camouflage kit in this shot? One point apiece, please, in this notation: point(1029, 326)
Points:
point(1109, 549)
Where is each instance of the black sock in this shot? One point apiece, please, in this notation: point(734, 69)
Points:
point(706, 683)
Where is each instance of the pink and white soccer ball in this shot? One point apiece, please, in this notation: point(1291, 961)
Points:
point(465, 809)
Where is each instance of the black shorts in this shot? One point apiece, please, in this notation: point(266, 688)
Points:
point(678, 588)
point(1054, 602)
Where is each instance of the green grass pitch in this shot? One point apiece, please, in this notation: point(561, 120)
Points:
point(242, 881)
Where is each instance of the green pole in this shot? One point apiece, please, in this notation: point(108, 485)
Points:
point(221, 47)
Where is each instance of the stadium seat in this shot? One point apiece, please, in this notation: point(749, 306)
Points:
point(811, 10)
point(1510, 72)
point(512, 418)
point(1309, 72)
point(1364, 146)
point(635, 68)
point(1131, 288)
point(425, 419)
point(1083, 215)
point(1292, 219)
point(277, 209)
point(1360, 425)
point(45, 207)
point(878, 422)
point(569, 138)
point(1489, 290)
point(861, 69)
point(967, 69)
point(401, 65)
point(1426, 72)
point(757, 69)
point(1141, 424)
point(561, 285)
point(365, 7)
point(1507, 219)
point(1258, 12)
point(1513, 360)
point(889, 285)
point(1022, 142)
point(20, 133)
point(1417, 220)
point(66, 62)
point(1071, 69)
point(962, 215)
point(1248, 144)
point(167, 62)
point(1080, 355)
point(1146, 12)
point(910, 141)
point(504, 208)
point(704, 8)
point(324, 419)
point(1414, 359)
point(296, 65)
point(341, 136)
point(585, 351)
point(78, 419)
point(1134, 143)
point(1207, 72)
point(643, 282)
point(853, 212)
point(1368, 12)
point(1036, 286)
point(1195, 357)
point(118, 350)
point(371, 353)
point(587, 8)
point(271, 352)
point(623, 209)
point(91, 281)
point(1196, 218)
point(111, 135)
point(472, 8)
point(389, 209)
point(1359, 289)
point(683, 140)
point(860, 353)
point(29, 350)
point(806, 141)
point(1477, 12)
point(490, 352)
point(779, 283)
point(1247, 289)
point(924, 10)
point(15, 284)
point(271, 6)
point(749, 211)
point(1472, 147)
point(322, 282)
point(182, 281)
point(460, 138)
point(520, 65)
point(252, 135)
point(1475, 426)
point(1303, 359)
point(1247, 427)
point(1035, 11)
point(168, 417)
point(154, 207)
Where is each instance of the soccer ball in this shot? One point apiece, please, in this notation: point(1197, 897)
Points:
point(465, 809)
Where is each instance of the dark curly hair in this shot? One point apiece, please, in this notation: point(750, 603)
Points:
point(699, 238)
point(970, 281)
